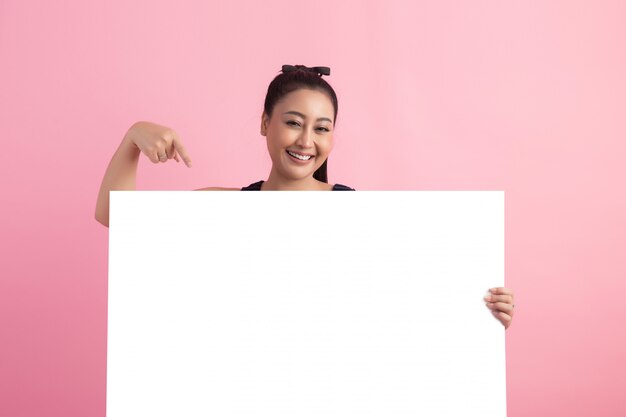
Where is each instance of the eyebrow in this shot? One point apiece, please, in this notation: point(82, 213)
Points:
point(304, 117)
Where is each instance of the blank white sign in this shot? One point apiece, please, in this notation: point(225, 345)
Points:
point(298, 303)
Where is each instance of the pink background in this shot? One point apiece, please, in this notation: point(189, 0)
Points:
point(526, 97)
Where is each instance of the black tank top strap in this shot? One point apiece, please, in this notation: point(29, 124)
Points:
point(341, 187)
point(256, 186)
point(253, 187)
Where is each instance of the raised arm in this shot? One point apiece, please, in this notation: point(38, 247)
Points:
point(158, 143)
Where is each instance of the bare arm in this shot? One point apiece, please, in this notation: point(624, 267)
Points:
point(121, 174)
point(217, 189)
point(158, 143)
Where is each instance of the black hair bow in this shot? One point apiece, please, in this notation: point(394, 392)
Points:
point(319, 70)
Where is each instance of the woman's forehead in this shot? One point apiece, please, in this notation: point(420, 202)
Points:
point(307, 101)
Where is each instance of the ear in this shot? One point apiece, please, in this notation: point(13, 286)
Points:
point(264, 122)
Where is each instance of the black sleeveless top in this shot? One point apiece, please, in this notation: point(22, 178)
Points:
point(257, 187)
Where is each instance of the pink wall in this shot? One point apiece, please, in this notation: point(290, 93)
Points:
point(527, 96)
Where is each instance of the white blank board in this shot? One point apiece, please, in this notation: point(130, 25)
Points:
point(302, 303)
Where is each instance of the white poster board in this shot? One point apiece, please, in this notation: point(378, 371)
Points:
point(300, 303)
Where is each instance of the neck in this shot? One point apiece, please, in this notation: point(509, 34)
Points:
point(277, 183)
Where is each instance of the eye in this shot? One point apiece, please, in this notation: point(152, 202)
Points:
point(294, 123)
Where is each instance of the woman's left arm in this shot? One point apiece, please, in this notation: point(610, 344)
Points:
point(500, 302)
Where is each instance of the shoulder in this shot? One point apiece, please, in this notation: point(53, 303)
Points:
point(341, 187)
point(217, 189)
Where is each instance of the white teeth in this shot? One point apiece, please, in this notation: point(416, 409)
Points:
point(302, 157)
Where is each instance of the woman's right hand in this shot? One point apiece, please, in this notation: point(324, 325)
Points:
point(158, 143)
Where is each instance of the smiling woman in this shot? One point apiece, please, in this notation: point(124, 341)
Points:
point(298, 122)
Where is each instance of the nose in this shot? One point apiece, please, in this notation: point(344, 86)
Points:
point(305, 139)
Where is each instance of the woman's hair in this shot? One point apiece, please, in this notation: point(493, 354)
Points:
point(287, 82)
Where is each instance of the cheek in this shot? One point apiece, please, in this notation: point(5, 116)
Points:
point(279, 137)
point(329, 145)
point(274, 139)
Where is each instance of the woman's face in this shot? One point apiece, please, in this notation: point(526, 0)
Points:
point(300, 133)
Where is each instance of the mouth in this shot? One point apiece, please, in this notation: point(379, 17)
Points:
point(300, 158)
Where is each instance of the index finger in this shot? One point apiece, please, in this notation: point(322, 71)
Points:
point(181, 150)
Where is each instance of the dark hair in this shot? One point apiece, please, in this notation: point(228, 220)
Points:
point(287, 82)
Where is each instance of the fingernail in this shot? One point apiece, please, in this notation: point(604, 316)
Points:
point(488, 298)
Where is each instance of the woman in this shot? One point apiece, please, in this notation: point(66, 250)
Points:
point(298, 120)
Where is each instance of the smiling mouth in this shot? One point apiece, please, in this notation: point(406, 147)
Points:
point(300, 157)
